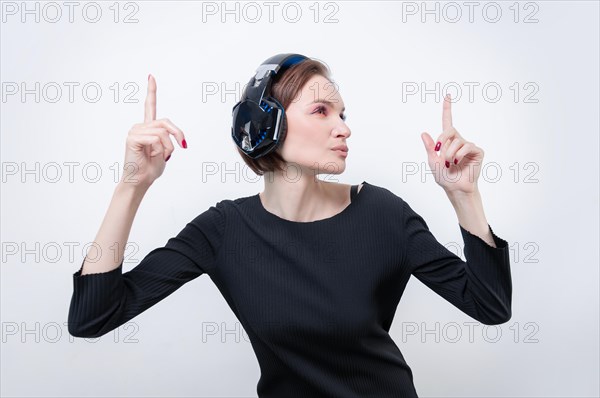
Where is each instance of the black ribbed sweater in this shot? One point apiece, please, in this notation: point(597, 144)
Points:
point(316, 299)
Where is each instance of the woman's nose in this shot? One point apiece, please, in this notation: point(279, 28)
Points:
point(342, 128)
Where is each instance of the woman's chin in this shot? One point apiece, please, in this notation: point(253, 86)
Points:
point(336, 166)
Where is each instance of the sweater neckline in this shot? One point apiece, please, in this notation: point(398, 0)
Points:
point(342, 213)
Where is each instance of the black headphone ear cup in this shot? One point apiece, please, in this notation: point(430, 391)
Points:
point(283, 132)
point(283, 126)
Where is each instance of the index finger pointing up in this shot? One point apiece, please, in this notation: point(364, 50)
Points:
point(446, 114)
point(150, 105)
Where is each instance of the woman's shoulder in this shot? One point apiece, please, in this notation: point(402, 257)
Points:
point(227, 205)
point(381, 192)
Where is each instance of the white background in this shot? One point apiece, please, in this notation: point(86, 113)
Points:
point(544, 203)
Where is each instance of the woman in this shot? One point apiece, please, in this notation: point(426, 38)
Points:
point(313, 270)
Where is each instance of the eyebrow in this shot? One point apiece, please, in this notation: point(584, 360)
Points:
point(326, 102)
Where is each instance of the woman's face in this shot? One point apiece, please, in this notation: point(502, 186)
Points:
point(315, 125)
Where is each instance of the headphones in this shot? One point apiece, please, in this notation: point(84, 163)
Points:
point(259, 123)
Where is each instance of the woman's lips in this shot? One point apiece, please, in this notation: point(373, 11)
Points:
point(340, 152)
point(341, 147)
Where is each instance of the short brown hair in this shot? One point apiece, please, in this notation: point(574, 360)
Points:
point(284, 89)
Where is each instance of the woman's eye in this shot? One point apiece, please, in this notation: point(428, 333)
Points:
point(321, 109)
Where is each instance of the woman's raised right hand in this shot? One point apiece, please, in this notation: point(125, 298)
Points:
point(149, 145)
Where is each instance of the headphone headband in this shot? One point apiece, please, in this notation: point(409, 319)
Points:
point(258, 118)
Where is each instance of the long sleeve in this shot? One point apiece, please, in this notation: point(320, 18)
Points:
point(481, 287)
point(104, 301)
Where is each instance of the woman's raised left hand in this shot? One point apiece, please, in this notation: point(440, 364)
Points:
point(455, 161)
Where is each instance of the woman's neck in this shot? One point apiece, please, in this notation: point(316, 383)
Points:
point(303, 199)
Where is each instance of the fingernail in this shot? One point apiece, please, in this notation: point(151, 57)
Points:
point(455, 161)
point(148, 76)
point(167, 159)
point(437, 146)
point(184, 144)
point(447, 164)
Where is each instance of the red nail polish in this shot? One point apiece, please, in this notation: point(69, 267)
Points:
point(447, 164)
point(437, 146)
point(455, 161)
point(167, 159)
point(184, 144)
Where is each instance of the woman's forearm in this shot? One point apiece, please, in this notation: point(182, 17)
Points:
point(469, 211)
point(109, 246)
